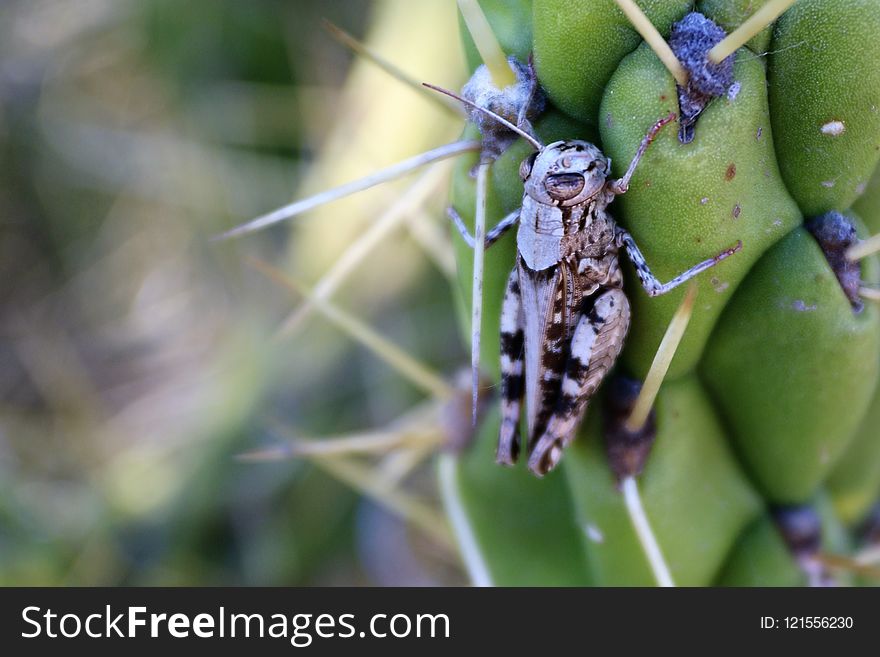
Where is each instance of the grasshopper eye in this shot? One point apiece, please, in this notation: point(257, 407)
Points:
point(564, 186)
point(525, 169)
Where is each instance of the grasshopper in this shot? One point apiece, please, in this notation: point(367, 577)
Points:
point(565, 314)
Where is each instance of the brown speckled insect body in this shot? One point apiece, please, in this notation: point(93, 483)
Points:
point(565, 315)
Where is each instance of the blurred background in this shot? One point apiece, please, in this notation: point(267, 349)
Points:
point(139, 359)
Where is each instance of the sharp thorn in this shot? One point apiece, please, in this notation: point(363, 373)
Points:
point(662, 359)
point(383, 175)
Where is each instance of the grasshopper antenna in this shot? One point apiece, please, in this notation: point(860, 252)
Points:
point(507, 124)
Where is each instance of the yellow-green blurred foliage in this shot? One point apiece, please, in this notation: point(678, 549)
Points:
point(137, 357)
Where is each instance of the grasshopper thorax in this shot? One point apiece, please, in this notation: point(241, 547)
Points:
point(565, 173)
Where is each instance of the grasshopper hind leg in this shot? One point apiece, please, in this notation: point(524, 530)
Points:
point(511, 372)
point(595, 344)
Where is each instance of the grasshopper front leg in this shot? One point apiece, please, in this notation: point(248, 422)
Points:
point(650, 282)
point(621, 185)
point(477, 304)
point(492, 236)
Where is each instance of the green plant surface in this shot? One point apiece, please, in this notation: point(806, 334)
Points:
point(792, 423)
point(824, 100)
point(523, 526)
point(767, 399)
point(695, 495)
point(854, 483)
point(578, 44)
point(730, 14)
point(761, 558)
point(511, 21)
point(867, 206)
point(688, 202)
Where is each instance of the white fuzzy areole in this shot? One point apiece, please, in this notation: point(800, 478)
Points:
point(834, 128)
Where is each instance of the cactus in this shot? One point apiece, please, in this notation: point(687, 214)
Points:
point(768, 414)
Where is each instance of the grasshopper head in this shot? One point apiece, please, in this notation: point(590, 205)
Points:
point(565, 173)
